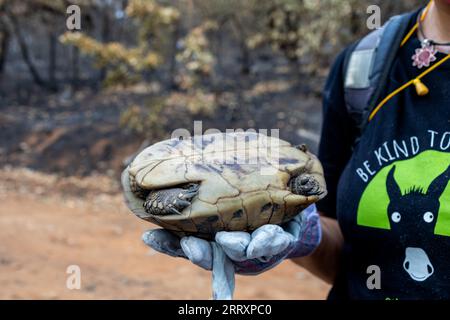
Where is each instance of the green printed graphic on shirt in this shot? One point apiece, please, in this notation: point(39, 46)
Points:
point(417, 172)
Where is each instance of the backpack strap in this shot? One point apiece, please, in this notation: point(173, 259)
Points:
point(367, 66)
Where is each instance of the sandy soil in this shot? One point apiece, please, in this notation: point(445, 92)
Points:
point(43, 232)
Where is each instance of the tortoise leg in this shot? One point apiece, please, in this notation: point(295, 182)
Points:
point(170, 201)
point(305, 185)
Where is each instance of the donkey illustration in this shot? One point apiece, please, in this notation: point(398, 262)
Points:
point(413, 217)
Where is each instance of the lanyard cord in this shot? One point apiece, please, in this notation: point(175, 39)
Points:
point(421, 88)
point(413, 29)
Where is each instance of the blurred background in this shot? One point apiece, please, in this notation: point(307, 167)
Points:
point(76, 104)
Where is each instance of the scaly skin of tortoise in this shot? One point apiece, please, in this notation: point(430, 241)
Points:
point(231, 196)
point(170, 201)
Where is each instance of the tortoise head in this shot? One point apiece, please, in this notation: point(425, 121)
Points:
point(305, 185)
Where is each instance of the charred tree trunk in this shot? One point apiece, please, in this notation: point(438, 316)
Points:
point(245, 51)
point(75, 67)
point(105, 36)
point(246, 62)
point(173, 56)
point(219, 45)
point(24, 49)
point(52, 60)
point(4, 46)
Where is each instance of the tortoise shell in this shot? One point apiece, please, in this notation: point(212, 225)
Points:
point(243, 181)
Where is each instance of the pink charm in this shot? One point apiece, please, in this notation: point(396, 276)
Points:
point(424, 56)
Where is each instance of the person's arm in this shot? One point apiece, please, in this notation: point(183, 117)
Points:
point(324, 261)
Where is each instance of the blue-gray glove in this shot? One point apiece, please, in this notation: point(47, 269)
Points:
point(253, 253)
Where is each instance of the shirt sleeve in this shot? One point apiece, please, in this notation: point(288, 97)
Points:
point(337, 136)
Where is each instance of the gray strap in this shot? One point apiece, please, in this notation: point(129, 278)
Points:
point(361, 61)
point(389, 45)
point(359, 82)
point(367, 68)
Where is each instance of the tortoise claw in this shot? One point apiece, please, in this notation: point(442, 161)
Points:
point(184, 198)
point(174, 211)
point(194, 187)
point(181, 203)
point(189, 193)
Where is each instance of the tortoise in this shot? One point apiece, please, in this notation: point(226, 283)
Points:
point(235, 181)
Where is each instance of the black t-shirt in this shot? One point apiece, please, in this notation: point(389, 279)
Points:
point(390, 193)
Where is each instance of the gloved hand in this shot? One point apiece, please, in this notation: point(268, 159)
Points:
point(253, 253)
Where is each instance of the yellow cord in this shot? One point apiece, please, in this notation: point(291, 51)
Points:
point(411, 32)
point(420, 87)
point(413, 81)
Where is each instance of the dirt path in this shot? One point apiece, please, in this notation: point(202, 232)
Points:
point(41, 234)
